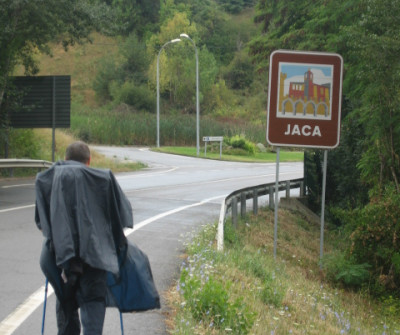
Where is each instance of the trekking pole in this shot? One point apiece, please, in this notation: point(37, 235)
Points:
point(122, 323)
point(44, 304)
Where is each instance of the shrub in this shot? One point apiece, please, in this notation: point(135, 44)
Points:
point(107, 72)
point(240, 72)
point(138, 96)
point(375, 238)
point(21, 144)
point(240, 142)
point(340, 268)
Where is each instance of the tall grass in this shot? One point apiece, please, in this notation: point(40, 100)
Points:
point(122, 126)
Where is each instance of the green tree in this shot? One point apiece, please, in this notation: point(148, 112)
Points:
point(124, 79)
point(168, 9)
point(373, 82)
point(235, 6)
point(320, 26)
point(135, 61)
point(240, 72)
point(300, 25)
point(178, 64)
point(139, 16)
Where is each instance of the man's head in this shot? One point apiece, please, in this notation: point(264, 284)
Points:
point(78, 151)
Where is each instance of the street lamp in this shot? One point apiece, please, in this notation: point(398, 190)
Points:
point(158, 88)
point(197, 94)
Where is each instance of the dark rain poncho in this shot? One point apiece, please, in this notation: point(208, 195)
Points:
point(81, 212)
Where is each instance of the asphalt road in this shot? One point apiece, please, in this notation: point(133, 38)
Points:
point(171, 199)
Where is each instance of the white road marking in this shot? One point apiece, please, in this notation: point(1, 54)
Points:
point(129, 231)
point(145, 174)
point(23, 311)
point(15, 209)
point(17, 185)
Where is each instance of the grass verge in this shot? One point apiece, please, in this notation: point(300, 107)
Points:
point(259, 157)
point(243, 290)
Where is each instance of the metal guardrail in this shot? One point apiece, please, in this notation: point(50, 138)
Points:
point(11, 163)
point(253, 192)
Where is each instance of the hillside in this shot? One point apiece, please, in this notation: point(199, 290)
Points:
point(81, 63)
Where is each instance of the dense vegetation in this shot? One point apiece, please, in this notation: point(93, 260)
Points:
point(234, 39)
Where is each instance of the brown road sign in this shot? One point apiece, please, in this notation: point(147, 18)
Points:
point(304, 99)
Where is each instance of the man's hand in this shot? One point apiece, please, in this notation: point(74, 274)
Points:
point(64, 276)
point(69, 277)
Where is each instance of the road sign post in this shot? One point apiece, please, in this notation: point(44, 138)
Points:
point(304, 107)
point(219, 139)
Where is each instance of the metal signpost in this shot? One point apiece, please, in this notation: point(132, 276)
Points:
point(219, 139)
point(304, 106)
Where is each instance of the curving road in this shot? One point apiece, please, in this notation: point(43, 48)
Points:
point(171, 198)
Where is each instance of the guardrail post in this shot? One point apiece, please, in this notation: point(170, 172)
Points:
point(302, 191)
point(287, 189)
point(255, 202)
point(271, 197)
point(234, 212)
point(243, 204)
point(221, 222)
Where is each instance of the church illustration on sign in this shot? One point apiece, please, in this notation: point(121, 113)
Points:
point(304, 91)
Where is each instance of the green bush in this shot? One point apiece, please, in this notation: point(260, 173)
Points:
point(240, 72)
point(106, 73)
point(340, 268)
point(375, 231)
point(21, 144)
point(241, 143)
point(138, 96)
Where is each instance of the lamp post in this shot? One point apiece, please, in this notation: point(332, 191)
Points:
point(158, 88)
point(197, 94)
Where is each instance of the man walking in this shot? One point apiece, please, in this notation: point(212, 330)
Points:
point(81, 212)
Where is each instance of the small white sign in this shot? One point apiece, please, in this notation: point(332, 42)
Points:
point(212, 138)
